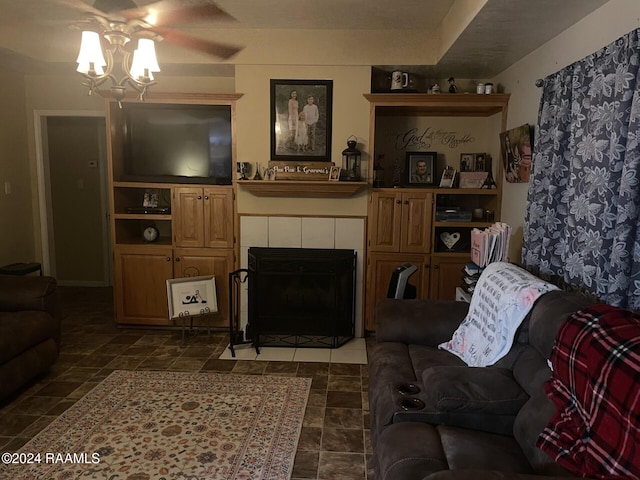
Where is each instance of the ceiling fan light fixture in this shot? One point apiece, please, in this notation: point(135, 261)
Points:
point(90, 58)
point(144, 61)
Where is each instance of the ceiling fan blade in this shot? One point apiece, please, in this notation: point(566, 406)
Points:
point(173, 12)
point(77, 5)
point(187, 41)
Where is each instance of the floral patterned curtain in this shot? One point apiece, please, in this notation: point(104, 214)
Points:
point(582, 224)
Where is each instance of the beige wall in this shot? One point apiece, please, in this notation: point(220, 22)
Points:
point(603, 26)
point(16, 230)
point(350, 117)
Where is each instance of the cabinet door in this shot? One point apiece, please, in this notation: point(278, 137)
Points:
point(193, 262)
point(416, 222)
point(446, 275)
point(384, 225)
point(140, 284)
point(187, 215)
point(379, 270)
point(218, 216)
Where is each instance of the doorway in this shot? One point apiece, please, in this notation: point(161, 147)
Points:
point(74, 220)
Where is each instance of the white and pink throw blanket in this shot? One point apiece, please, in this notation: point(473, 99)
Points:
point(501, 300)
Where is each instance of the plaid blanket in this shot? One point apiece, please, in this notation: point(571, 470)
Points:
point(596, 388)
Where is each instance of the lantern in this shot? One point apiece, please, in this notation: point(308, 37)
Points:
point(351, 161)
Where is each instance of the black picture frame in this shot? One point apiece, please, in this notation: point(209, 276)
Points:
point(285, 143)
point(419, 179)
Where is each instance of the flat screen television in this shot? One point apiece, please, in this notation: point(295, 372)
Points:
point(177, 143)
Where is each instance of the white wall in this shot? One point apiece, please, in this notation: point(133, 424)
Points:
point(595, 31)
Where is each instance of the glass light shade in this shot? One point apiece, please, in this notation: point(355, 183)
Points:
point(144, 58)
point(90, 54)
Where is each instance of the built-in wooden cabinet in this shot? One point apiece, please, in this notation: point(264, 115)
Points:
point(196, 225)
point(203, 217)
point(140, 288)
point(404, 224)
point(401, 221)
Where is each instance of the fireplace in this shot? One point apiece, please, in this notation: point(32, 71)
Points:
point(301, 297)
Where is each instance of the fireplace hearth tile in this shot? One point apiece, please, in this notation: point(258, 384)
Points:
point(281, 354)
point(312, 355)
point(355, 344)
point(351, 353)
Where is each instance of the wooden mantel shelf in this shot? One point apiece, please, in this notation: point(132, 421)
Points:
point(293, 188)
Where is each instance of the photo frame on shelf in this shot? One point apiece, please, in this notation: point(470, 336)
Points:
point(334, 174)
point(301, 119)
point(421, 167)
point(480, 162)
point(472, 179)
point(192, 296)
point(448, 177)
point(467, 162)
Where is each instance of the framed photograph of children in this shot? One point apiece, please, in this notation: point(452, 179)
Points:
point(467, 161)
point(421, 167)
point(301, 115)
point(191, 296)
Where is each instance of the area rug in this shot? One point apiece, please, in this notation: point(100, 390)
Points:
point(173, 425)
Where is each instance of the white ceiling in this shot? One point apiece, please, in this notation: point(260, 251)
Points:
point(502, 32)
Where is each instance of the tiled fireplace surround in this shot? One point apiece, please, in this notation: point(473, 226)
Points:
point(304, 232)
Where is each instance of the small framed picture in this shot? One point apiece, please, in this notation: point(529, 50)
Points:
point(421, 168)
point(150, 199)
point(334, 174)
point(467, 162)
point(480, 162)
point(192, 296)
point(448, 177)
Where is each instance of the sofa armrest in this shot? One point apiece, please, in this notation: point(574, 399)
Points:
point(423, 322)
point(28, 292)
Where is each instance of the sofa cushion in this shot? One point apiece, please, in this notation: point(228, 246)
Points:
point(465, 448)
point(19, 331)
point(473, 390)
point(409, 450)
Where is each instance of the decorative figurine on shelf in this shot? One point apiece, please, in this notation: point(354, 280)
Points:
point(435, 88)
point(452, 85)
point(257, 176)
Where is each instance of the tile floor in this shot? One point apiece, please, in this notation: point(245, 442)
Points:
point(334, 443)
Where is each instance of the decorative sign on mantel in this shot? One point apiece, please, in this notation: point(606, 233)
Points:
point(287, 170)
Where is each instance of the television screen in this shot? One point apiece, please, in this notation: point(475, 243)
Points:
point(178, 143)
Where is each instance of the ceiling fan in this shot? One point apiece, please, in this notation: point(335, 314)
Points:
point(112, 27)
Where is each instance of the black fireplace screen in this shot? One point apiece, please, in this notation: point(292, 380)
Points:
point(301, 297)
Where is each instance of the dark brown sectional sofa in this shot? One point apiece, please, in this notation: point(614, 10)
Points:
point(433, 417)
point(29, 330)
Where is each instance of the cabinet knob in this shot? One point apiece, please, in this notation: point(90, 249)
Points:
point(398, 202)
point(199, 197)
point(406, 202)
point(206, 197)
point(177, 259)
point(168, 259)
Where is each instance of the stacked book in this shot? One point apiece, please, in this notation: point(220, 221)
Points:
point(471, 274)
point(491, 244)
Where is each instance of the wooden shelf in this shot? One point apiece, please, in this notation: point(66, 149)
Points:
point(292, 188)
point(442, 104)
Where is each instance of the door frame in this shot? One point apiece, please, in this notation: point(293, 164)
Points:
point(44, 191)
